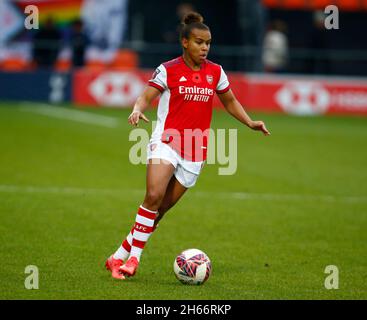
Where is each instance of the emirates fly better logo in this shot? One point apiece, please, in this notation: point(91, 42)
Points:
point(303, 98)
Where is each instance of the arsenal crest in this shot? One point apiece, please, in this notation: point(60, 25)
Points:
point(209, 78)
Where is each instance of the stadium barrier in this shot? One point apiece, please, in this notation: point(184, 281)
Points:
point(300, 95)
point(39, 86)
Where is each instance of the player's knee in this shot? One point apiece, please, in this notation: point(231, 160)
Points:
point(153, 198)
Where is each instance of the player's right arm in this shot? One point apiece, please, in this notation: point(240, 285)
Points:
point(141, 104)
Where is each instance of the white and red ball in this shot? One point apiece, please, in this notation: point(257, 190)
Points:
point(192, 266)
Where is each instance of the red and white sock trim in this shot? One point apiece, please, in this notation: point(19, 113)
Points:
point(146, 211)
point(123, 251)
point(126, 244)
point(143, 228)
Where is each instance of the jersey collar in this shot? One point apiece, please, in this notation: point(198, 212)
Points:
point(202, 66)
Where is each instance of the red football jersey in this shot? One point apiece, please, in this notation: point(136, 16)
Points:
point(186, 104)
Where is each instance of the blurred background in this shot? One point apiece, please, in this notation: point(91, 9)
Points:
point(269, 42)
point(69, 192)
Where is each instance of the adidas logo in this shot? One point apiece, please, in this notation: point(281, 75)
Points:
point(182, 79)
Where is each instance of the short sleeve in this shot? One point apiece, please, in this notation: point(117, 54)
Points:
point(223, 83)
point(159, 79)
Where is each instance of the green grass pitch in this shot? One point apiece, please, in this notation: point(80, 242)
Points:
point(297, 203)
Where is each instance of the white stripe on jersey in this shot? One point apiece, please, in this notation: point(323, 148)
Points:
point(223, 82)
point(163, 108)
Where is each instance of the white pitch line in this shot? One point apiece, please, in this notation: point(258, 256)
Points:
point(63, 190)
point(285, 197)
point(71, 114)
point(201, 194)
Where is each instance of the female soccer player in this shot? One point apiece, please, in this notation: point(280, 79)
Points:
point(175, 156)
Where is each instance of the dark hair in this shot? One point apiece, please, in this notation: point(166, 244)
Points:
point(190, 21)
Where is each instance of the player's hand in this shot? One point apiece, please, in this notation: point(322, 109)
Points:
point(135, 116)
point(259, 126)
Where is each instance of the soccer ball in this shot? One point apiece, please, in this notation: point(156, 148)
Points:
point(192, 266)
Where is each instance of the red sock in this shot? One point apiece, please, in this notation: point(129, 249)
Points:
point(143, 228)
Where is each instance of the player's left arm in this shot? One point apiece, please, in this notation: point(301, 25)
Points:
point(234, 108)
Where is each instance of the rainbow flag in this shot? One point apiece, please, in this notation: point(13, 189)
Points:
point(62, 11)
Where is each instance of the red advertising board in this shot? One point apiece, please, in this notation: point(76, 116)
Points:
point(304, 95)
point(301, 95)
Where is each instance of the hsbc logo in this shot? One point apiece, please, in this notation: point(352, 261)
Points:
point(303, 98)
point(116, 88)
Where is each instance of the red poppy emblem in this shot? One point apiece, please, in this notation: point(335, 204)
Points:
point(196, 78)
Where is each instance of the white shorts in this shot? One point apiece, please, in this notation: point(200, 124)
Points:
point(186, 172)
